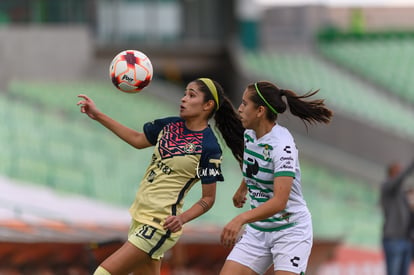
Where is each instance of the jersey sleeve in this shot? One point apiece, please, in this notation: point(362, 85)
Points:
point(209, 170)
point(153, 128)
point(285, 159)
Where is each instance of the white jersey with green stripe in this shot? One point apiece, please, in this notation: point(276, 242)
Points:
point(273, 155)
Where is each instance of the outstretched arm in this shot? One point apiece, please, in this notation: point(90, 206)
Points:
point(409, 169)
point(175, 223)
point(395, 183)
point(130, 136)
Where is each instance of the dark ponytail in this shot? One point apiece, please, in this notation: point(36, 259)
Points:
point(229, 124)
point(309, 111)
point(226, 119)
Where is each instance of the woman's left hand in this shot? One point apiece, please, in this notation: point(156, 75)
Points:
point(231, 232)
point(173, 223)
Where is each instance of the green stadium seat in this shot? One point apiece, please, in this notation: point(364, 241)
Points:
point(385, 61)
point(305, 72)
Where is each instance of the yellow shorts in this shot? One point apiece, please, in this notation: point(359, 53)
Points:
point(151, 240)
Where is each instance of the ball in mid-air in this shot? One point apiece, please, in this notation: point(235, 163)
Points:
point(131, 71)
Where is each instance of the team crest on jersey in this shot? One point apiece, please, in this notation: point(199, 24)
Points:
point(266, 152)
point(189, 148)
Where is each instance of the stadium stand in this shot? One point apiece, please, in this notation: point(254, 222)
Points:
point(389, 58)
point(47, 143)
point(79, 157)
point(304, 71)
point(340, 203)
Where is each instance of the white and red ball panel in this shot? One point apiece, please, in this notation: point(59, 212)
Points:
point(131, 71)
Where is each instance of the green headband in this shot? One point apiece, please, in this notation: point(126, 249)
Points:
point(210, 85)
point(264, 100)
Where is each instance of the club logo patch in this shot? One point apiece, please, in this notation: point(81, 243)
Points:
point(266, 153)
point(189, 148)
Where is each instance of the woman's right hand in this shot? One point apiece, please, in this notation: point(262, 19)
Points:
point(239, 198)
point(87, 106)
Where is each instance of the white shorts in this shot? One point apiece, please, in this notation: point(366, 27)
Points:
point(288, 249)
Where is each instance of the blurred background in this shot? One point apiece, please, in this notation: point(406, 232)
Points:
point(66, 183)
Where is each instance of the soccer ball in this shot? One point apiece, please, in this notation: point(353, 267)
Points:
point(131, 71)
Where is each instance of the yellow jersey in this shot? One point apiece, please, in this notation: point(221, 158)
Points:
point(181, 158)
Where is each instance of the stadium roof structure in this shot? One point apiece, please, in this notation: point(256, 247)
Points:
point(38, 224)
point(35, 213)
